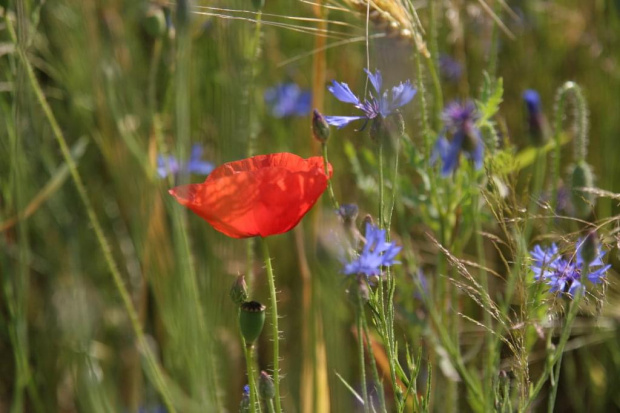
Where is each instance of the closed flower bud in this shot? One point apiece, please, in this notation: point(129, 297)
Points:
point(244, 406)
point(239, 291)
point(536, 121)
point(154, 22)
point(266, 388)
point(582, 177)
point(251, 320)
point(320, 128)
point(258, 4)
point(589, 248)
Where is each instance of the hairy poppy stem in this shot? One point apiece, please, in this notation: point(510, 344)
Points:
point(274, 322)
point(249, 361)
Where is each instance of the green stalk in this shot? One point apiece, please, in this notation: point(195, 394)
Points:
point(360, 349)
point(373, 363)
point(249, 363)
point(329, 181)
point(274, 323)
point(484, 282)
point(159, 380)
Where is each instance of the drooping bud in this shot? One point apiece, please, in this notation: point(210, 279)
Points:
point(251, 320)
point(258, 4)
point(589, 247)
point(239, 290)
point(582, 177)
point(266, 388)
point(320, 128)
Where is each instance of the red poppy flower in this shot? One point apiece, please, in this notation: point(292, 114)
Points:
point(263, 195)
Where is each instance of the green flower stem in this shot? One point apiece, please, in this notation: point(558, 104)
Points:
point(381, 186)
point(489, 364)
point(556, 358)
point(158, 376)
point(270, 406)
point(329, 181)
point(426, 132)
point(373, 363)
point(360, 349)
point(274, 323)
point(249, 363)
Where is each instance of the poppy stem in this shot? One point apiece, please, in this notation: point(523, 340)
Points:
point(249, 361)
point(329, 181)
point(274, 322)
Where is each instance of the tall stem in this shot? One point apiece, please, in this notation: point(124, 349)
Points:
point(249, 362)
point(274, 322)
point(360, 348)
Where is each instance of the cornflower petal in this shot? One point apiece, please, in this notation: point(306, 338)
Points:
point(343, 93)
point(341, 121)
point(376, 79)
point(401, 95)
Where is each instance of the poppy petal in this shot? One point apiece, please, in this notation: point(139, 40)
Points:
point(263, 195)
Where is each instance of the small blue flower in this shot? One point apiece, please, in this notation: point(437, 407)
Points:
point(288, 99)
point(376, 254)
point(383, 105)
point(563, 274)
point(246, 390)
point(169, 165)
point(536, 121)
point(450, 68)
point(460, 122)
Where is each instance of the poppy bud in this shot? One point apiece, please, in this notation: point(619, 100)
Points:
point(320, 128)
point(239, 291)
point(266, 388)
point(258, 4)
point(582, 177)
point(154, 22)
point(589, 247)
point(251, 320)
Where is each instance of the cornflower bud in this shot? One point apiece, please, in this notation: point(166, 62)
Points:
point(258, 4)
point(244, 406)
point(320, 128)
point(251, 320)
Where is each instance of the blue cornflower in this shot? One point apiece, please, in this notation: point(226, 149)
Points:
point(376, 254)
point(450, 68)
point(288, 99)
point(460, 122)
point(169, 165)
point(536, 121)
point(563, 274)
point(383, 105)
